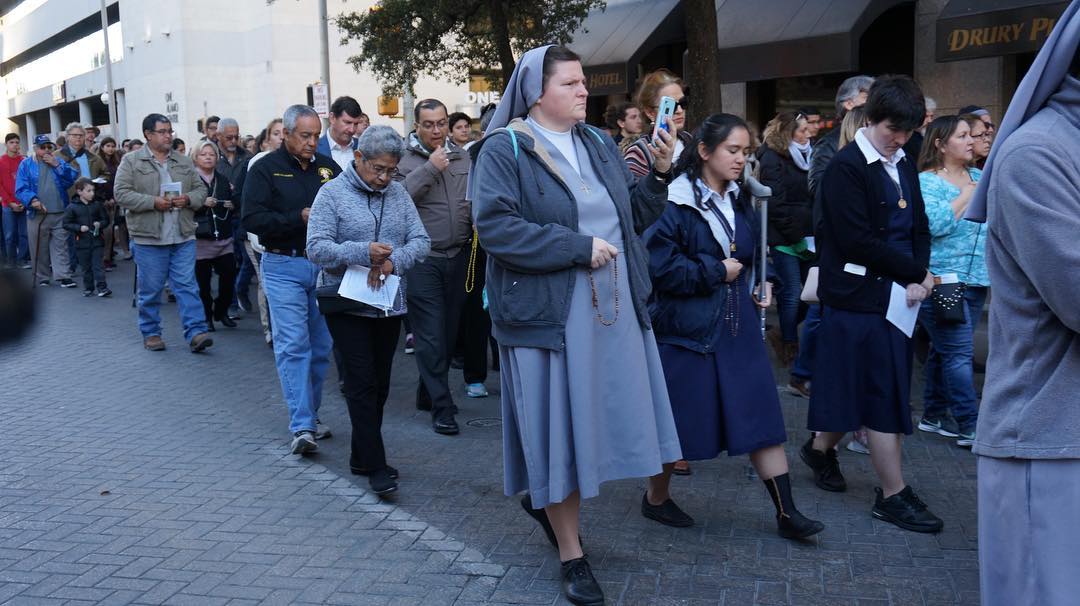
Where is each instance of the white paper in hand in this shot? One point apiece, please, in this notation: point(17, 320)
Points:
point(902, 316)
point(354, 285)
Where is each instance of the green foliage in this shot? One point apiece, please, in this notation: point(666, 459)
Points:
point(401, 40)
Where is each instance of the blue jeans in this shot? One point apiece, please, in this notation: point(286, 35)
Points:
point(175, 263)
point(950, 380)
point(16, 243)
point(804, 362)
point(789, 269)
point(301, 340)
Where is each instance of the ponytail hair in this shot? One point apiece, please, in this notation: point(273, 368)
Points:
point(711, 134)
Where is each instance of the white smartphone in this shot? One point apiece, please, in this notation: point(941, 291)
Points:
point(665, 111)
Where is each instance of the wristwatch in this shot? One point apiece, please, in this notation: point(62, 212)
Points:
point(664, 178)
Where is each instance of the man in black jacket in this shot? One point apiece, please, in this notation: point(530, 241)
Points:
point(278, 194)
point(851, 94)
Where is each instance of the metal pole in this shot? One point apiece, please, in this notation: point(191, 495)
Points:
point(108, 73)
point(762, 193)
point(324, 53)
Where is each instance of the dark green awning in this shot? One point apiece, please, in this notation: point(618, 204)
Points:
point(967, 29)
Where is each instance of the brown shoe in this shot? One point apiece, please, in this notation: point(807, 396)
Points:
point(153, 343)
point(200, 342)
point(799, 387)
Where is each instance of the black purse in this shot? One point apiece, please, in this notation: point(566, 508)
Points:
point(327, 297)
point(948, 299)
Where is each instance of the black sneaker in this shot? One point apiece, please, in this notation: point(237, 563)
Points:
point(965, 439)
point(43, 283)
point(104, 292)
point(579, 585)
point(906, 510)
point(89, 292)
point(667, 513)
point(944, 426)
point(826, 467)
point(67, 283)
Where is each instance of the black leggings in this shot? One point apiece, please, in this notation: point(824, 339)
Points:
point(225, 266)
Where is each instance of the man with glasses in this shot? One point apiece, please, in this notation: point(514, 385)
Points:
point(278, 193)
point(77, 154)
point(340, 139)
point(161, 192)
point(41, 185)
point(435, 173)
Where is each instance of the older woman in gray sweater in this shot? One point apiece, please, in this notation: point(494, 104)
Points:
point(364, 218)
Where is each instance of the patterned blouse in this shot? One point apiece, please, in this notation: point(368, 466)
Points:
point(956, 245)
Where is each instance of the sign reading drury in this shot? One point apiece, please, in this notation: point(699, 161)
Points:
point(996, 27)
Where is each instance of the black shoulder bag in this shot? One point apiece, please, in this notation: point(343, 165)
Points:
point(327, 297)
point(949, 298)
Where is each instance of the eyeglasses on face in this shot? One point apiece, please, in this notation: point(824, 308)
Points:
point(428, 125)
point(163, 131)
point(683, 103)
point(382, 171)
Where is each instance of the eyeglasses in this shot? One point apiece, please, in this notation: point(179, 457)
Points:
point(441, 124)
point(683, 103)
point(382, 171)
point(987, 135)
point(163, 131)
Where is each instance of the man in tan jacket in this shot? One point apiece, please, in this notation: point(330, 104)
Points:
point(161, 191)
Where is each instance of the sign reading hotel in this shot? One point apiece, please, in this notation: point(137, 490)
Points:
point(607, 79)
point(996, 33)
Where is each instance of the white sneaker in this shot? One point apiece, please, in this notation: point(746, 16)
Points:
point(322, 430)
point(476, 390)
point(857, 447)
point(304, 442)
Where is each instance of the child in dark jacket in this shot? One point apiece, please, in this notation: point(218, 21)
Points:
point(86, 218)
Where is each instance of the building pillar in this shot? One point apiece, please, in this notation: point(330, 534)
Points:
point(733, 98)
point(121, 116)
point(85, 115)
point(55, 126)
point(31, 131)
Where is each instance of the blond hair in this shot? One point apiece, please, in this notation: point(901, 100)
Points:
point(853, 121)
point(647, 96)
point(781, 130)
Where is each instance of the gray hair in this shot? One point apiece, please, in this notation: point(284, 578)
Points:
point(73, 125)
point(379, 140)
point(850, 89)
point(224, 122)
point(931, 105)
point(294, 113)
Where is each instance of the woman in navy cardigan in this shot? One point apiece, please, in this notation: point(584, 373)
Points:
point(873, 233)
point(702, 252)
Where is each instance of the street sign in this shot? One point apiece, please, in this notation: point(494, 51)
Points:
point(320, 99)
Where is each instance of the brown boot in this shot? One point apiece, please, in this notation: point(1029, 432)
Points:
point(791, 351)
point(200, 342)
point(154, 343)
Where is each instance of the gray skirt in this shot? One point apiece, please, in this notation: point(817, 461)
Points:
point(594, 412)
point(1029, 529)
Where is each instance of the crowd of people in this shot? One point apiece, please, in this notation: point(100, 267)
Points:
point(615, 272)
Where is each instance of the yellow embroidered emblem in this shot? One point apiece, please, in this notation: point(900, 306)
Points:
point(326, 174)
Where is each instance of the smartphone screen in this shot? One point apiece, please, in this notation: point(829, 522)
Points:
point(665, 111)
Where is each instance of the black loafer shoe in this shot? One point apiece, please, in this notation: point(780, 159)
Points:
point(579, 585)
point(446, 426)
point(667, 513)
point(826, 467)
point(228, 322)
point(906, 510)
point(390, 471)
point(381, 483)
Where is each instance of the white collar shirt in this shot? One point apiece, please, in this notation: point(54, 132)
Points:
point(873, 155)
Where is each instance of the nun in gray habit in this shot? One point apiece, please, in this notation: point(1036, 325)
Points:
point(1028, 435)
point(584, 399)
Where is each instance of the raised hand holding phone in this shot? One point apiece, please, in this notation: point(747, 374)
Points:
point(663, 113)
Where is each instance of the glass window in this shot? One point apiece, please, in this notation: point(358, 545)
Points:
point(79, 57)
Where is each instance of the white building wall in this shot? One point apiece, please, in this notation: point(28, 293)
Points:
point(243, 58)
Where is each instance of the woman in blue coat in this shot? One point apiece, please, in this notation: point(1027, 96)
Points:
point(702, 252)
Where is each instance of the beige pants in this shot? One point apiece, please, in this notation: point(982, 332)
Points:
point(264, 313)
point(48, 246)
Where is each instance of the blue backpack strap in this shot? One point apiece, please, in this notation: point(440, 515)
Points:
point(513, 141)
point(596, 135)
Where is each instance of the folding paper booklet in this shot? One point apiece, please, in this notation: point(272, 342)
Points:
point(354, 285)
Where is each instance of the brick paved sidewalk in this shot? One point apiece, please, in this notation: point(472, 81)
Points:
point(135, 477)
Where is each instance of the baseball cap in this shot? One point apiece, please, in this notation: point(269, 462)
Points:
point(42, 140)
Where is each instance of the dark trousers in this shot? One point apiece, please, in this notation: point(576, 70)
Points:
point(225, 266)
point(367, 348)
point(436, 293)
point(475, 332)
point(92, 262)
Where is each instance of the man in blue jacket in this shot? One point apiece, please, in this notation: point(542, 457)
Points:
point(41, 185)
point(339, 140)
